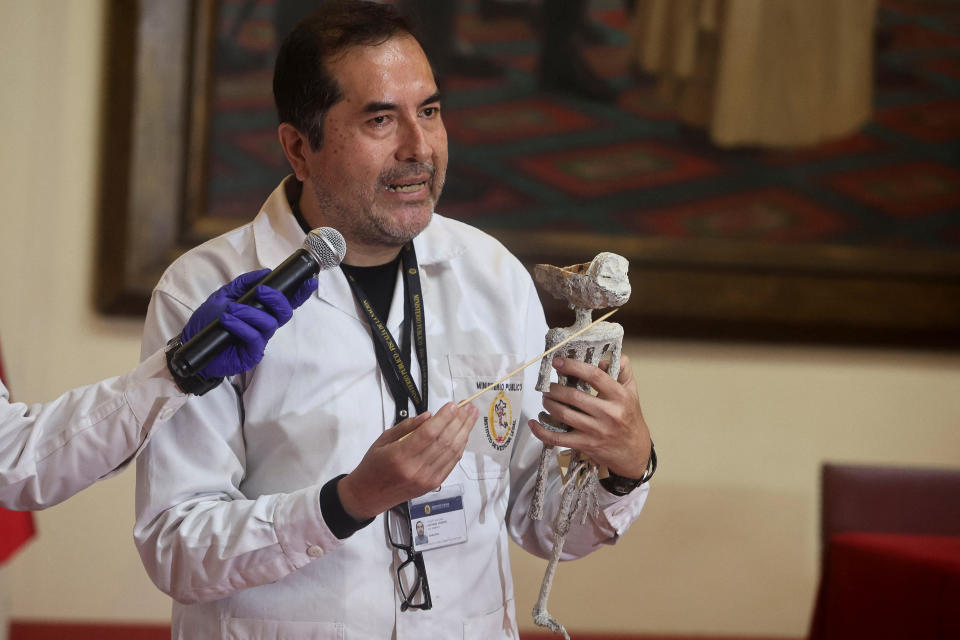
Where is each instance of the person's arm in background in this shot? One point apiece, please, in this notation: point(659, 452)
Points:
point(50, 451)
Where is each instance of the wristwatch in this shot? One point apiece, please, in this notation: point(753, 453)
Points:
point(621, 486)
point(195, 384)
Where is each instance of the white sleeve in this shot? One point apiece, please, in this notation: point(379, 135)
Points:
point(50, 451)
point(199, 537)
point(616, 513)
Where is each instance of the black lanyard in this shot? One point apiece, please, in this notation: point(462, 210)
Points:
point(395, 362)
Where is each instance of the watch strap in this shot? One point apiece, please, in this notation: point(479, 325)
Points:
point(620, 486)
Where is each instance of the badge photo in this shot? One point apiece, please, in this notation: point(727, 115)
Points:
point(437, 518)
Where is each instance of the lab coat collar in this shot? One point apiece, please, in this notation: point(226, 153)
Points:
point(438, 243)
point(277, 234)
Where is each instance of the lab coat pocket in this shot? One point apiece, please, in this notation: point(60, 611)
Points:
point(257, 629)
point(488, 450)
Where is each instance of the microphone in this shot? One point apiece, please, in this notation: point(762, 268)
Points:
point(322, 249)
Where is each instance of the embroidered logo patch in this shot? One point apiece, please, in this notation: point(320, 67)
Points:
point(498, 423)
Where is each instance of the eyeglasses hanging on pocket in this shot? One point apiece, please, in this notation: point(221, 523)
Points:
point(412, 572)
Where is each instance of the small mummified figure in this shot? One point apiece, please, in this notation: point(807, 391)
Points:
point(598, 284)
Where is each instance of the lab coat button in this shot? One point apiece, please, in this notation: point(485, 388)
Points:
point(315, 551)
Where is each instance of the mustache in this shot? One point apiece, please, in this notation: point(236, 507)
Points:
point(414, 170)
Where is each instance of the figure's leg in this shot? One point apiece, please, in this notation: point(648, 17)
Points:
point(571, 496)
point(536, 505)
point(587, 501)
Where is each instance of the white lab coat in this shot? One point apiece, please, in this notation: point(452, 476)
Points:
point(228, 516)
point(50, 451)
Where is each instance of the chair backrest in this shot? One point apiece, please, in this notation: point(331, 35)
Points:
point(886, 499)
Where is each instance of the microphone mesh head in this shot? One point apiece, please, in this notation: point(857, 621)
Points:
point(327, 247)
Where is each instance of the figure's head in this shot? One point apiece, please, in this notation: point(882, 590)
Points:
point(602, 282)
point(610, 273)
point(360, 122)
point(419, 528)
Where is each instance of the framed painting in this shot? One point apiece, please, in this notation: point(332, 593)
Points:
point(851, 242)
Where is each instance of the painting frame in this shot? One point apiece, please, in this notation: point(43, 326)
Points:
point(155, 118)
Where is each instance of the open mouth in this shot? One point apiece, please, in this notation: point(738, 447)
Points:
point(405, 188)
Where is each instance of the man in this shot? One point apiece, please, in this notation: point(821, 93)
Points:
point(421, 535)
point(48, 452)
point(281, 507)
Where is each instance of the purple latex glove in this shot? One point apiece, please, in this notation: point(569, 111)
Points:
point(251, 327)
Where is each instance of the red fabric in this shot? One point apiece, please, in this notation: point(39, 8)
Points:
point(16, 527)
point(881, 585)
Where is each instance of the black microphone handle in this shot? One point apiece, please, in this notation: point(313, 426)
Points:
point(286, 278)
point(213, 338)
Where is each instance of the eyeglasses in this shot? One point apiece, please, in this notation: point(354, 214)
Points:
point(418, 595)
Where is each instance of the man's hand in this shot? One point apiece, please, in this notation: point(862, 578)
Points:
point(412, 458)
point(251, 327)
point(608, 427)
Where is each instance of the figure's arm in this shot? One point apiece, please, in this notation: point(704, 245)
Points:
point(616, 351)
point(50, 451)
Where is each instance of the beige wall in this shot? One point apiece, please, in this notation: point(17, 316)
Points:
point(83, 565)
point(728, 540)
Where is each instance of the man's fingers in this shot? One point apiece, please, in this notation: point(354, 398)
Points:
point(626, 373)
point(572, 396)
point(449, 436)
point(571, 440)
point(468, 417)
point(591, 374)
point(404, 428)
point(461, 431)
point(571, 416)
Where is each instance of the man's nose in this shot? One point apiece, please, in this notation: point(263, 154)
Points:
point(414, 144)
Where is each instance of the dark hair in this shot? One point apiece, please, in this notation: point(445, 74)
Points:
point(303, 88)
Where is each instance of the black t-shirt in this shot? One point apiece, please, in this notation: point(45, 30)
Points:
point(378, 283)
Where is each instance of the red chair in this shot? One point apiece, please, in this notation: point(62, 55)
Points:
point(859, 500)
point(888, 500)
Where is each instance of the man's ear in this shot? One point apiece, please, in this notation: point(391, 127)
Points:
point(295, 146)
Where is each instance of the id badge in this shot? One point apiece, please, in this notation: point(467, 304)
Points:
point(437, 518)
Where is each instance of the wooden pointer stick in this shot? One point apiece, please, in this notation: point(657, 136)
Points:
point(537, 359)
